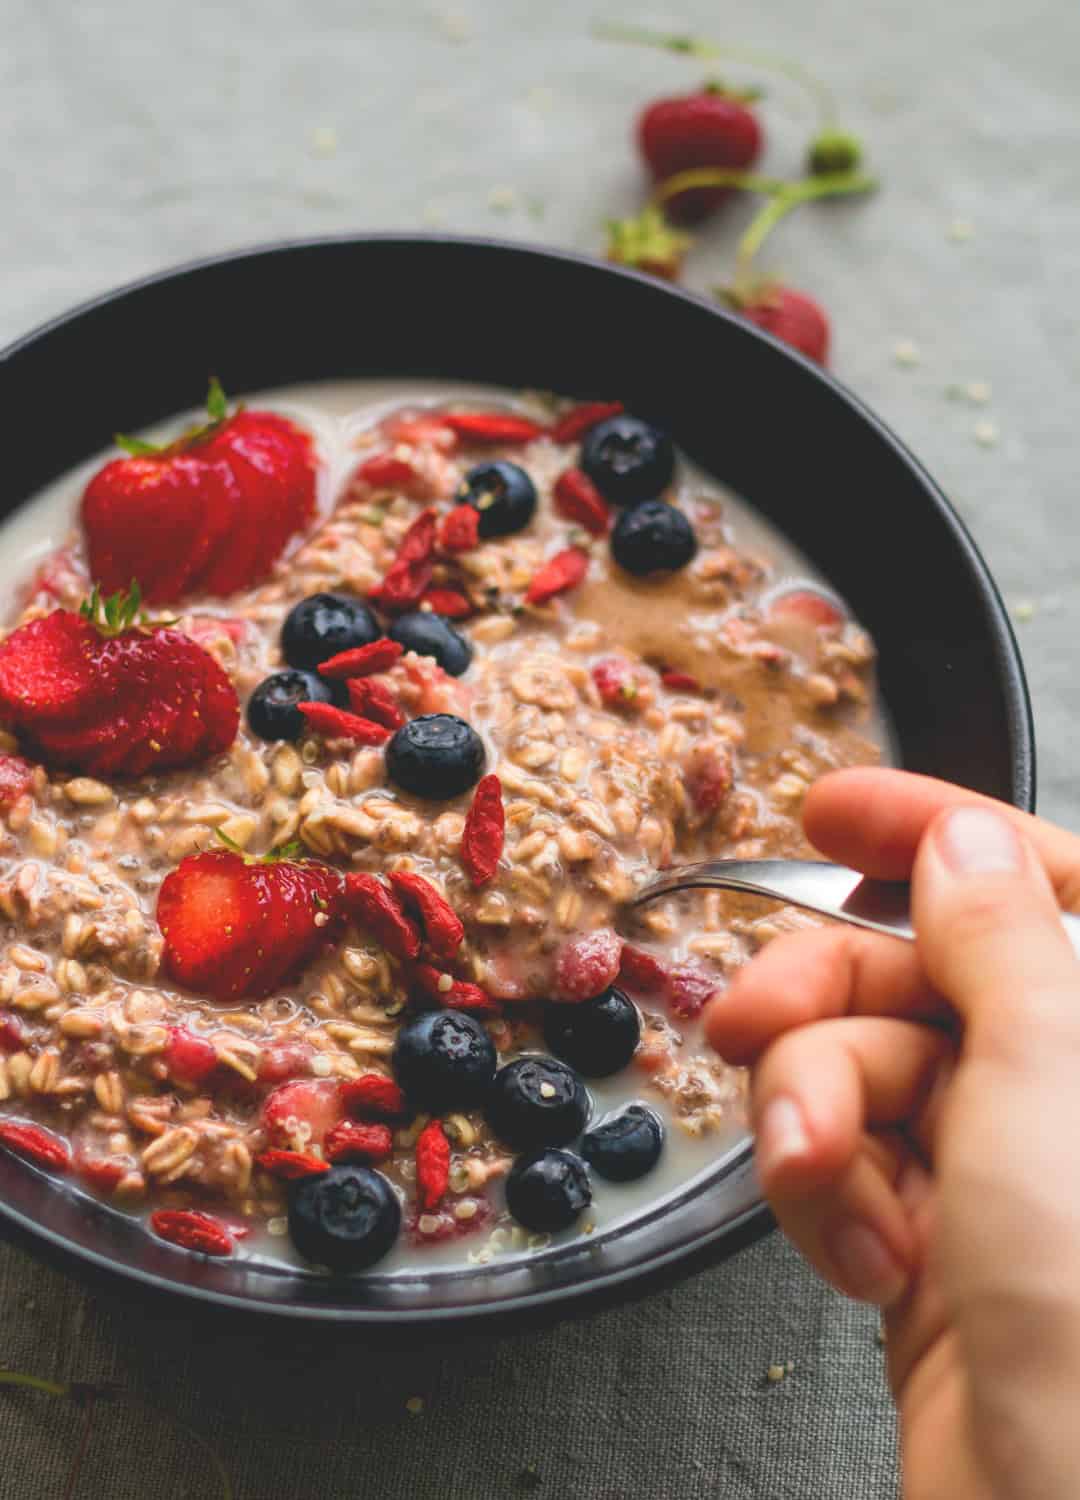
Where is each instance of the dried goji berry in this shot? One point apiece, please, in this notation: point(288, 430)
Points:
point(460, 529)
point(192, 1230)
point(577, 421)
point(586, 965)
point(100, 1172)
point(351, 1141)
point(447, 602)
point(410, 572)
point(443, 928)
point(361, 661)
point(291, 1165)
point(455, 994)
point(339, 724)
point(375, 907)
point(38, 1145)
point(188, 1058)
point(382, 471)
point(432, 1165)
point(373, 1094)
point(563, 571)
point(485, 831)
point(616, 681)
point(577, 498)
point(640, 972)
point(374, 701)
point(16, 778)
point(478, 427)
point(680, 682)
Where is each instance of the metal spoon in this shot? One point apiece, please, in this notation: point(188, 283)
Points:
point(831, 890)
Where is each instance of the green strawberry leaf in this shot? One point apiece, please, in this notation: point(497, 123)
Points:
point(217, 404)
point(135, 447)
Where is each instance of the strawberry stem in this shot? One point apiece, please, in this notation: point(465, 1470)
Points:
point(833, 185)
point(695, 47)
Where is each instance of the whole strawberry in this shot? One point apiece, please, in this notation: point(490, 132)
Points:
point(208, 513)
point(710, 128)
point(101, 693)
point(237, 927)
point(788, 315)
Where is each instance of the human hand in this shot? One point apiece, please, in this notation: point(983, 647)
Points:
point(917, 1121)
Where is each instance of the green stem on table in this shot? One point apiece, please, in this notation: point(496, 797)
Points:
point(690, 46)
point(834, 185)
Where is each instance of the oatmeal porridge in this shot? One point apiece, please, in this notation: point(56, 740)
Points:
point(316, 843)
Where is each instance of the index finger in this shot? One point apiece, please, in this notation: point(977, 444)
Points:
point(873, 819)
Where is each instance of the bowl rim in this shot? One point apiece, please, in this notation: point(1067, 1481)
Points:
point(736, 1231)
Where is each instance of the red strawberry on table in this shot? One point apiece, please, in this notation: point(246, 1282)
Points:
point(709, 128)
point(235, 926)
point(788, 315)
point(208, 513)
point(100, 692)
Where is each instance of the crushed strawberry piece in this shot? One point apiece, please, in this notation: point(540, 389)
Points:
point(103, 1173)
point(576, 422)
point(432, 1166)
point(36, 1144)
point(459, 530)
point(578, 499)
point(373, 1094)
point(448, 602)
point(16, 778)
point(482, 427)
point(640, 972)
point(192, 1230)
point(351, 1141)
point(680, 682)
point(283, 1060)
point(709, 776)
point(443, 929)
point(616, 681)
point(484, 832)
point(441, 1227)
point(374, 906)
point(292, 1165)
point(563, 571)
point(362, 661)
point(339, 724)
point(297, 1116)
point(586, 965)
point(373, 700)
point(687, 990)
point(188, 1058)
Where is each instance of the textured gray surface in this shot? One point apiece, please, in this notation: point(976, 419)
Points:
point(139, 134)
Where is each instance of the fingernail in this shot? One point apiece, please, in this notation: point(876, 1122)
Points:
point(865, 1267)
point(974, 841)
point(781, 1135)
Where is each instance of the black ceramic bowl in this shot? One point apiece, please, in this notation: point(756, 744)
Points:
point(759, 417)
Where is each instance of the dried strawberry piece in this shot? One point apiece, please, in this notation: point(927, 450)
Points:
point(640, 972)
point(188, 1058)
point(373, 1094)
point(687, 990)
point(563, 571)
point(351, 1141)
point(410, 572)
point(447, 602)
point(481, 427)
point(460, 529)
point(375, 907)
point(680, 682)
point(16, 778)
point(362, 661)
point(443, 928)
point(432, 1166)
point(616, 681)
point(455, 994)
point(292, 1165)
point(578, 499)
point(192, 1230)
point(577, 421)
point(36, 1144)
point(485, 831)
point(586, 965)
point(374, 701)
point(339, 724)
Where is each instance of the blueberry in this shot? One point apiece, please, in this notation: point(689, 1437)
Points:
point(346, 1218)
point(628, 460)
point(429, 634)
point(272, 712)
point(436, 756)
point(322, 625)
point(652, 537)
point(536, 1101)
point(597, 1037)
point(547, 1190)
point(504, 495)
point(444, 1060)
point(625, 1145)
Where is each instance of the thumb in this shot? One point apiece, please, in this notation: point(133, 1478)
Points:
point(990, 934)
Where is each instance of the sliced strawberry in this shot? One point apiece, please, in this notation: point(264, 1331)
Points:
point(586, 965)
point(16, 778)
point(273, 462)
point(188, 1058)
point(480, 428)
point(45, 670)
point(298, 1115)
